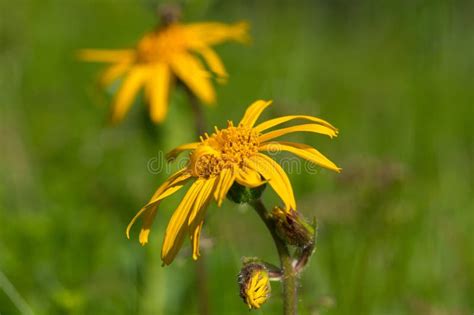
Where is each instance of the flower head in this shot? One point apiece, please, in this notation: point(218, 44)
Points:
point(254, 284)
point(229, 155)
point(163, 55)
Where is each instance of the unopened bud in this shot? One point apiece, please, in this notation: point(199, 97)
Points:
point(293, 228)
point(254, 284)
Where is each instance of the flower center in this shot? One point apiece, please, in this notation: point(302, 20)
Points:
point(223, 149)
point(160, 45)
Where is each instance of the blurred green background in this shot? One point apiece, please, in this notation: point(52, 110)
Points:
point(396, 227)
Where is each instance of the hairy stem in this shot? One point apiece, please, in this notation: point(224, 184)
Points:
point(201, 272)
point(289, 278)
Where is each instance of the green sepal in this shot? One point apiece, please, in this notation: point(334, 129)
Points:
point(241, 194)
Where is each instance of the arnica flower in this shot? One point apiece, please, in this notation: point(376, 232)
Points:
point(160, 57)
point(254, 284)
point(233, 154)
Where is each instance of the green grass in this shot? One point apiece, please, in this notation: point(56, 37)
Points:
point(395, 227)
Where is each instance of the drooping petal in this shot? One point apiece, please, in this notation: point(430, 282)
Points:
point(280, 120)
point(113, 72)
point(211, 33)
point(253, 112)
point(173, 154)
point(197, 214)
point(178, 180)
point(201, 199)
point(106, 55)
point(170, 186)
point(302, 150)
point(149, 216)
point(189, 70)
point(248, 176)
point(225, 181)
point(195, 238)
point(157, 90)
point(275, 176)
point(177, 226)
point(299, 128)
point(214, 62)
point(130, 86)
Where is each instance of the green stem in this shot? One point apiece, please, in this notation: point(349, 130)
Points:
point(197, 112)
point(203, 301)
point(289, 278)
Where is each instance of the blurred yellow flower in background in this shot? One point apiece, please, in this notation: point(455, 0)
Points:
point(163, 55)
point(229, 155)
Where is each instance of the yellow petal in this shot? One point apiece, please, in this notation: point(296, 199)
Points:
point(157, 90)
point(178, 180)
point(204, 149)
point(300, 128)
point(201, 199)
point(195, 236)
point(198, 212)
point(253, 112)
point(225, 181)
point(211, 33)
point(214, 62)
point(146, 226)
point(277, 121)
point(130, 86)
point(276, 178)
point(170, 186)
point(304, 151)
point(113, 72)
point(173, 154)
point(249, 177)
point(189, 70)
point(106, 55)
point(177, 226)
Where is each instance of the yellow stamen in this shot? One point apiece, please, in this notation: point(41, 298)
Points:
point(223, 149)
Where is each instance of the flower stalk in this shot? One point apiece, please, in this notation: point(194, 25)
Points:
point(198, 113)
point(289, 276)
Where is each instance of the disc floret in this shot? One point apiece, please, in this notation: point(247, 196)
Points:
point(225, 148)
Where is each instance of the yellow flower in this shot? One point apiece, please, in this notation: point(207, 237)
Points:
point(160, 57)
point(229, 155)
point(254, 285)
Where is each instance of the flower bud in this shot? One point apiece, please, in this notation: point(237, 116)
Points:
point(293, 228)
point(254, 284)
